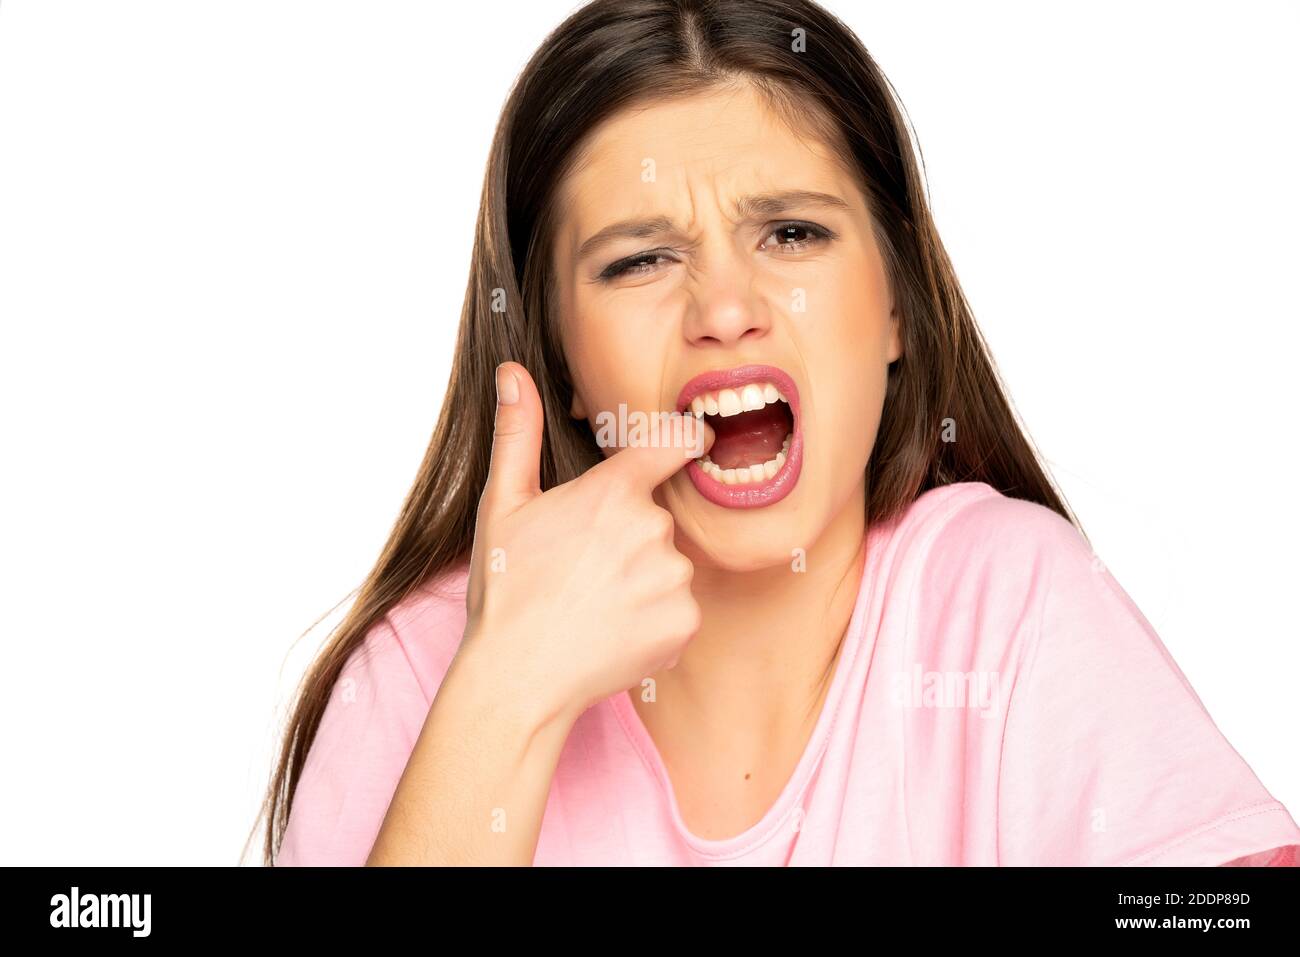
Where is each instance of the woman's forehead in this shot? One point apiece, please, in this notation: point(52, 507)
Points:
point(667, 158)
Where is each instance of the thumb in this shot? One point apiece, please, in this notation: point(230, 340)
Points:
point(516, 442)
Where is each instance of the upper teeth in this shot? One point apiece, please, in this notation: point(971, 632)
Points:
point(727, 402)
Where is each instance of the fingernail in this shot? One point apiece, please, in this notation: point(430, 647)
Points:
point(696, 436)
point(507, 386)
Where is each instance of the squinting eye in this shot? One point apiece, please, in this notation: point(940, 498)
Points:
point(632, 266)
point(798, 236)
point(792, 237)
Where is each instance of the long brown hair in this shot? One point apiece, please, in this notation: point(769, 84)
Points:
point(607, 56)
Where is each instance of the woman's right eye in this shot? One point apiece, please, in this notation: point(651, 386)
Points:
point(637, 265)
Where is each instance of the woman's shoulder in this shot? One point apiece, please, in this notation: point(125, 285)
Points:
point(970, 525)
point(975, 569)
point(370, 725)
point(422, 631)
point(435, 605)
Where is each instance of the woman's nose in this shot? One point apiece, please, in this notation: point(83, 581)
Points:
point(725, 310)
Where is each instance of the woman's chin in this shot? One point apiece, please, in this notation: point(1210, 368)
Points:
point(737, 560)
point(779, 535)
point(747, 540)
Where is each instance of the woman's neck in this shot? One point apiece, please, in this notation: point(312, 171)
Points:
point(769, 639)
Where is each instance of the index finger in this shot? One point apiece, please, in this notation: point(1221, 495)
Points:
point(652, 455)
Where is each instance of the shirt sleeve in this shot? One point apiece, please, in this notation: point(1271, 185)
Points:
point(1109, 757)
point(366, 735)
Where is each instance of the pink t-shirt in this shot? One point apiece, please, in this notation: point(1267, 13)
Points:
point(999, 700)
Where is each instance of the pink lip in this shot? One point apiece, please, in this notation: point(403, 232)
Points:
point(757, 494)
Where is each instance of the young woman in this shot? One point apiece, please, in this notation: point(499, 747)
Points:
point(833, 613)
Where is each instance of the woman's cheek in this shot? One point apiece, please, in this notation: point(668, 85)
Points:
point(848, 439)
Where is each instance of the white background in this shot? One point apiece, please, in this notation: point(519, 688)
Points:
point(234, 237)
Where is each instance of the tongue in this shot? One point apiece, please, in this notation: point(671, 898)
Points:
point(750, 438)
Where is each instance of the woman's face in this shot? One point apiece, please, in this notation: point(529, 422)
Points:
point(709, 258)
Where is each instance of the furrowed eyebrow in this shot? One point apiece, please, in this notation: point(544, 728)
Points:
point(774, 204)
point(627, 229)
point(759, 206)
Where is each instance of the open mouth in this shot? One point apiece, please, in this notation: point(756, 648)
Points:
point(757, 449)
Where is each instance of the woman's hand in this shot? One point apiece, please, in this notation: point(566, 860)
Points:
point(577, 593)
point(574, 595)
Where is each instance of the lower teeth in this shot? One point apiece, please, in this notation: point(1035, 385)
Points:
point(746, 474)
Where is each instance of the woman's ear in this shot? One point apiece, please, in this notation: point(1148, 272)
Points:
point(894, 347)
point(577, 408)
